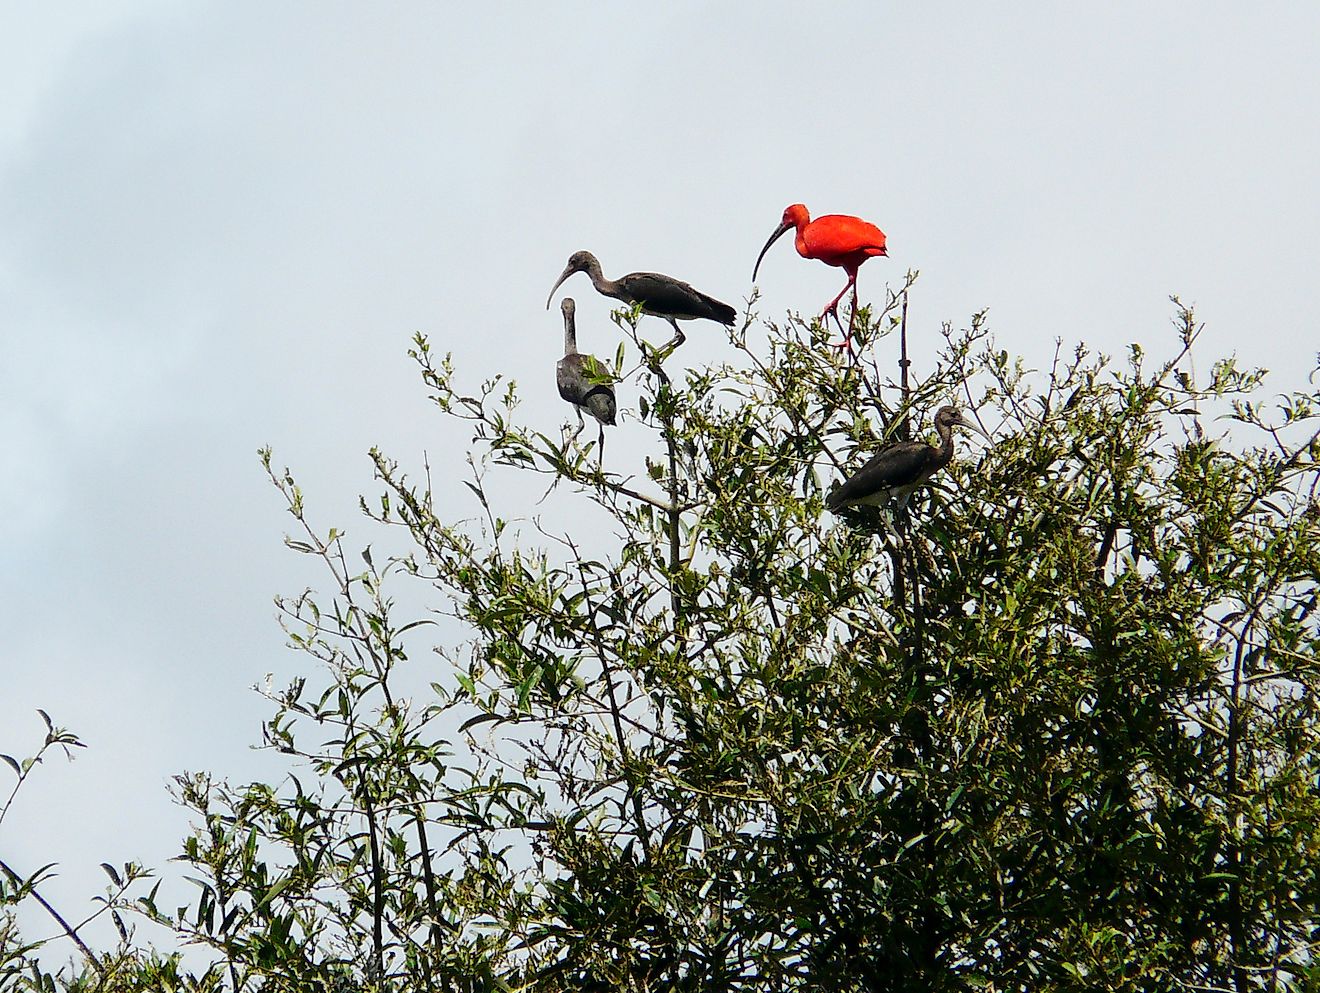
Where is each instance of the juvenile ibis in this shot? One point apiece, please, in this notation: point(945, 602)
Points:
point(582, 379)
point(895, 471)
point(659, 295)
point(835, 239)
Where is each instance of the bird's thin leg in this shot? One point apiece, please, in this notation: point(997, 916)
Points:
point(828, 312)
point(852, 322)
point(847, 335)
point(581, 423)
point(652, 358)
point(600, 462)
point(674, 342)
point(833, 308)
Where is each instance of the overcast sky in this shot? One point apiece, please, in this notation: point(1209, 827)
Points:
point(221, 223)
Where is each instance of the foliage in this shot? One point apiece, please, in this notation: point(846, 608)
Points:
point(123, 969)
point(1057, 731)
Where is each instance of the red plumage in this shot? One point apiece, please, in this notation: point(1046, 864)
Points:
point(835, 239)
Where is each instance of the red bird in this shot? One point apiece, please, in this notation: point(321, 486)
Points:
point(835, 239)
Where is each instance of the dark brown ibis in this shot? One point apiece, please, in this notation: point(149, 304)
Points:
point(835, 239)
point(893, 473)
point(583, 380)
point(659, 295)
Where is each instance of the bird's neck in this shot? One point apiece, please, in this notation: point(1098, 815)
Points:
point(800, 240)
point(609, 287)
point(570, 341)
point(605, 287)
point(946, 444)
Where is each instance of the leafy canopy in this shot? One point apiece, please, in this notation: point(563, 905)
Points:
point(683, 729)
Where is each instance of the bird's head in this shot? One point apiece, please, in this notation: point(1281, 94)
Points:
point(567, 307)
point(947, 418)
point(795, 216)
point(582, 261)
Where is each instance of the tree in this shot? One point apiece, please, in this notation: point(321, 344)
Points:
point(1057, 731)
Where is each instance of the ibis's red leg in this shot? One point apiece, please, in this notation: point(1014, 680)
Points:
point(833, 308)
point(852, 317)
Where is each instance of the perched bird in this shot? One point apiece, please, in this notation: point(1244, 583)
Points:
point(894, 472)
point(659, 295)
point(835, 239)
point(583, 380)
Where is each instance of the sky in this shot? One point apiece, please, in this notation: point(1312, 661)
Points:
point(222, 223)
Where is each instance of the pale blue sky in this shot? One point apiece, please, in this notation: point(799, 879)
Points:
point(221, 223)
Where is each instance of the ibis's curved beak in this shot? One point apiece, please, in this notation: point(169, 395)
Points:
point(974, 427)
point(773, 238)
point(562, 276)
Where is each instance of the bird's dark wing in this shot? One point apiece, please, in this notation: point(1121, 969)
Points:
point(601, 404)
point(904, 464)
point(583, 380)
point(672, 297)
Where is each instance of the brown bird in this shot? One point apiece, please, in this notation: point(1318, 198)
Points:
point(583, 380)
point(894, 472)
point(659, 295)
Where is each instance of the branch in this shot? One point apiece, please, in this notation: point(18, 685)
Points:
point(59, 919)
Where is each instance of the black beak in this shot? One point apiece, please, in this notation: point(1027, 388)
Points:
point(773, 238)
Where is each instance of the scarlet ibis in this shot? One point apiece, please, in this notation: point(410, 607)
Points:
point(835, 239)
point(896, 471)
point(582, 379)
point(659, 295)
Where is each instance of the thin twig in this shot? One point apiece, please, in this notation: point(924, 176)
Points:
point(59, 919)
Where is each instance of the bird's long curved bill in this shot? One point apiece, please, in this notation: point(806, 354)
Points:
point(773, 238)
point(975, 428)
point(558, 282)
